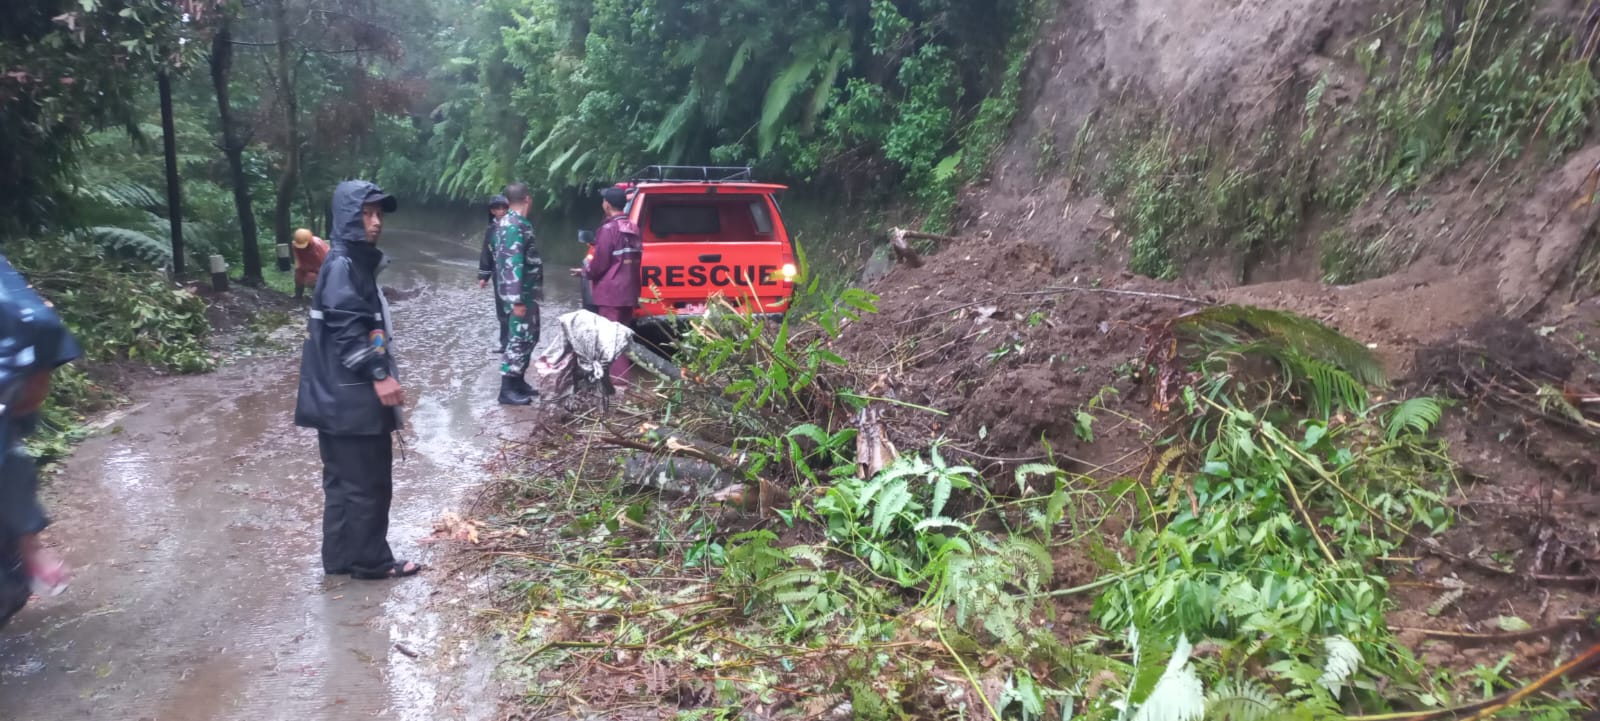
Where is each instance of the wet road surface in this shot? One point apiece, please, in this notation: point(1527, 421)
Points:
point(193, 526)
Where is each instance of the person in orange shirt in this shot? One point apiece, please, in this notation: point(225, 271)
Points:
point(309, 252)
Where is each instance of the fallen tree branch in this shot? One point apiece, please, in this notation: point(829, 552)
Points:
point(1492, 707)
point(679, 448)
point(1059, 290)
point(1466, 638)
point(1056, 290)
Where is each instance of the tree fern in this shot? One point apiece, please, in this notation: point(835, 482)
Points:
point(1417, 415)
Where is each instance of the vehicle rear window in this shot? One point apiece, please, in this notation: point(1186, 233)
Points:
point(707, 218)
point(685, 220)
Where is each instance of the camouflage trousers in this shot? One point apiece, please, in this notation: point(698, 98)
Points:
point(523, 337)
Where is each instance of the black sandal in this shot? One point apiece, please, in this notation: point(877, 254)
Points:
point(397, 569)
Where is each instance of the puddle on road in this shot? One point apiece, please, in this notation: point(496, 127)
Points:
point(195, 532)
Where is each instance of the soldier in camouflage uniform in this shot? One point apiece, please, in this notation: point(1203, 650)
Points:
point(520, 281)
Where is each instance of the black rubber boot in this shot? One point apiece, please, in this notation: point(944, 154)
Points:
point(527, 390)
point(511, 394)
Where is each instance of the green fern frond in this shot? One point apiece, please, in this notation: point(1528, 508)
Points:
point(737, 63)
point(1179, 695)
point(1417, 415)
point(1304, 335)
point(673, 125)
point(946, 169)
point(1243, 700)
point(781, 93)
point(1332, 387)
point(941, 494)
point(1032, 563)
point(1344, 659)
point(830, 75)
point(896, 497)
point(561, 161)
point(118, 193)
point(131, 244)
point(1554, 402)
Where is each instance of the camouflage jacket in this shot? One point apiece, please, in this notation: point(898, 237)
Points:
point(518, 268)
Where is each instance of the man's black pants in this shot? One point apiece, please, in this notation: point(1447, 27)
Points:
point(357, 485)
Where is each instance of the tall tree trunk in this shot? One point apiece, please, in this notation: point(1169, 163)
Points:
point(281, 221)
point(233, 148)
point(169, 143)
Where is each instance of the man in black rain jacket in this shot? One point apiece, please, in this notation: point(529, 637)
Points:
point(486, 268)
point(348, 389)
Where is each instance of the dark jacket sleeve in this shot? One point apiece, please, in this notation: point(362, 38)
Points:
point(350, 316)
point(532, 264)
point(606, 242)
point(486, 258)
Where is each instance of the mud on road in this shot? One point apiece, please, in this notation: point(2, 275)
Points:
point(193, 525)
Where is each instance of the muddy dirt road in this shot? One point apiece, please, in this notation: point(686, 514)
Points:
point(193, 523)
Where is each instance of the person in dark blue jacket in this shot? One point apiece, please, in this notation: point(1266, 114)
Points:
point(349, 392)
point(33, 343)
point(486, 268)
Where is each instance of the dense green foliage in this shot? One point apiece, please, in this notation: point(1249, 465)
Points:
point(568, 92)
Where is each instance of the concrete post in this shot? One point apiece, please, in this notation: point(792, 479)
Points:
point(283, 258)
point(219, 274)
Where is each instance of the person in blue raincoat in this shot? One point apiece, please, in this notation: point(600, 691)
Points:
point(33, 343)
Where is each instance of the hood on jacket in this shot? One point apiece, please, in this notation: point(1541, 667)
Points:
point(347, 201)
point(624, 225)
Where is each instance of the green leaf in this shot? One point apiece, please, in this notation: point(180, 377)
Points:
point(946, 169)
point(1083, 426)
point(1513, 624)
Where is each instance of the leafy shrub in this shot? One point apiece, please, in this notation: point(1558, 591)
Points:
point(118, 312)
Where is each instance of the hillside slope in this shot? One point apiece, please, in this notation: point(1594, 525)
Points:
point(1235, 143)
point(1256, 153)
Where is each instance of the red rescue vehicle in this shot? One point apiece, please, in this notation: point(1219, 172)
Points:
point(708, 232)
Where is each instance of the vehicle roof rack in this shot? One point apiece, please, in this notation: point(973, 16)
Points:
point(693, 174)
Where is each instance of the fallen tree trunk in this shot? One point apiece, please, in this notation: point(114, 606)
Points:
point(676, 477)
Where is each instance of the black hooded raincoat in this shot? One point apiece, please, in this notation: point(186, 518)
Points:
point(336, 377)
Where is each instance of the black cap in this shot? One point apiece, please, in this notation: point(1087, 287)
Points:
point(617, 197)
point(499, 201)
point(376, 195)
